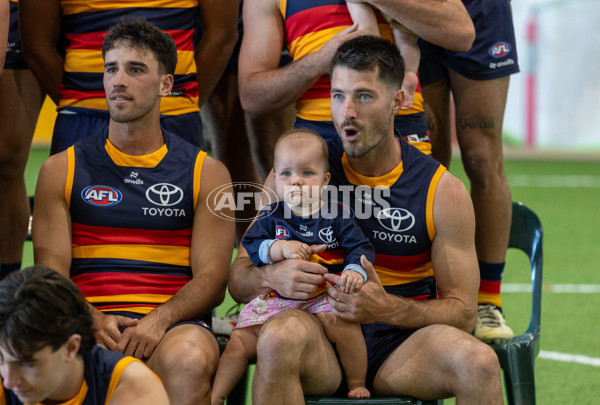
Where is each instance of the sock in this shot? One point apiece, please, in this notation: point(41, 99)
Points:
point(491, 278)
point(7, 268)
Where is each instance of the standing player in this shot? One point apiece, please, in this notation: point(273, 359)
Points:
point(478, 80)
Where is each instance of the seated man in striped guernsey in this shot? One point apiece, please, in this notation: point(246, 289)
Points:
point(48, 353)
point(124, 214)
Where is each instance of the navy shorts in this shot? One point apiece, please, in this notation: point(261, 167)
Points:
point(14, 53)
point(74, 124)
point(135, 315)
point(412, 127)
point(493, 54)
point(381, 339)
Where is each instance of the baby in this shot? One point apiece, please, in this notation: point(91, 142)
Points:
point(297, 228)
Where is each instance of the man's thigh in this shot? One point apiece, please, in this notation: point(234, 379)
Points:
point(480, 108)
point(296, 339)
point(423, 366)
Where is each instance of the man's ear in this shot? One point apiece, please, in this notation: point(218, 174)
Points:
point(397, 100)
point(166, 84)
point(72, 346)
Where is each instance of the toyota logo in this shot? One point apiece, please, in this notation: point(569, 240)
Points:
point(164, 194)
point(326, 235)
point(396, 219)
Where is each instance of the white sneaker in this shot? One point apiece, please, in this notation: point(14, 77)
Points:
point(491, 326)
point(225, 325)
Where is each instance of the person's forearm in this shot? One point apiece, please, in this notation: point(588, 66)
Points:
point(39, 25)
point(411, 314)
point(209, 73)
point(217, 44)
point(265, 92)
point(443, 22)
point(194, 300)
point(48, 70)
point(245, 282)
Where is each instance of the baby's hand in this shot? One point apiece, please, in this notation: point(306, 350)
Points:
point(351, 281)
point(292, 249)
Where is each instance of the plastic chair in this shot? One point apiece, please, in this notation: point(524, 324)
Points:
point(517, 356)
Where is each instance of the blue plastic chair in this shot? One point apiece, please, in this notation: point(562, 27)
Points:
point(517, 357)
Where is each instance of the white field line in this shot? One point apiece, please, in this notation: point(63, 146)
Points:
point(566, 181)
point(570, 358)
point(553, 288)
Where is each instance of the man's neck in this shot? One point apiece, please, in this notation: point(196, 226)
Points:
point(134, 138)
point(379, 161)
point(74, 377)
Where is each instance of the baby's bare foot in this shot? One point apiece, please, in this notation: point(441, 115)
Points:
point(409, 85)
point(359, 392)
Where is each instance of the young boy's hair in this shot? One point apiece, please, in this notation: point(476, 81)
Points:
point(371, 53)
point(39, 308)
point(303, 134)
point(136, 32)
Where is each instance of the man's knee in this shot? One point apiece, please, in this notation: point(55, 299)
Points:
point(484, 166)
point(288, 332)
point(188, 358)
point(477, 362)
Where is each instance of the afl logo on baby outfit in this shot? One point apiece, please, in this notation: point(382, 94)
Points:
point(102, 196)
point(281, 232)
point(499, 49)
point(164, 194)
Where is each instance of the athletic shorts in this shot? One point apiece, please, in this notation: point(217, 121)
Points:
point(493, 54)
point(381, 339)
point(413, 128)
point(74, 124)
point(14, 53)
point(135, 315)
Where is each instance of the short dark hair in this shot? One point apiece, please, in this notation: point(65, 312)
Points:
point(39, 308)
point(367, 53)
point(306, 133)
point(138, 32)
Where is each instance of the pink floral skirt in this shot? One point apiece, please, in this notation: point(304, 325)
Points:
point(263, 307)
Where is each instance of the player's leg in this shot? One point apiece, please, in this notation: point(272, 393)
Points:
point(20, 103)
point(294, 358)
point(436, 97)
point(264, 131)
point(186, 360)
point(224, 122)
point(440, 361)
point(479, 114)
point(234, 361)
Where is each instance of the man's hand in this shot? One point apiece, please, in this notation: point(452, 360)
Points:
point(369, 304)
point(326, 52)
point(140, 340)
point(296, 279)
point(108, 328)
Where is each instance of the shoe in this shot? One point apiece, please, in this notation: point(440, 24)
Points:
point(490, 326)
point(224, 325)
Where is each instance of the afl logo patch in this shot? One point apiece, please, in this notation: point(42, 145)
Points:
point(500, 49)
point(102, 196)
point(281, 232)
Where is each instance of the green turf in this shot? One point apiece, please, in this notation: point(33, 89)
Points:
point(571, 219)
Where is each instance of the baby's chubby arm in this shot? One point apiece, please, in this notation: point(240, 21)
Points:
point(272, 251)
